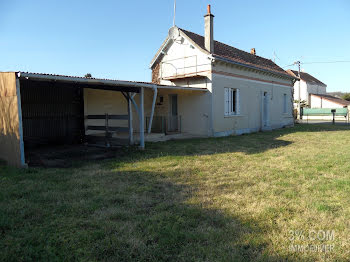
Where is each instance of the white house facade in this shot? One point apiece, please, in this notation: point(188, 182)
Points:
point(246, 92)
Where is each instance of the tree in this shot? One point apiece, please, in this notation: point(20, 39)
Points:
point(346, 96)
point(88, 75)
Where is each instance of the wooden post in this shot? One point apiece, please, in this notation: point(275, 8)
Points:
point(131, 131)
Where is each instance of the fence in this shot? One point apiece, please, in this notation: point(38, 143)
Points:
point(326, 114)
point(107, 130)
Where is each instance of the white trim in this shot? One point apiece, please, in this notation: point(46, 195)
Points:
point(230, 116)
point(160, 51)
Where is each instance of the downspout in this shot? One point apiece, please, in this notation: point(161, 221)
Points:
point(152, 111)
point(142, 120)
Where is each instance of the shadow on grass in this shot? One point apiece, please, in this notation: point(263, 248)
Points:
point(254, 143)
point(121, 216)
point(79, 155)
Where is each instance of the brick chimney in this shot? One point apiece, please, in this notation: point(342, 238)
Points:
point(209, 31)
point(252, 51)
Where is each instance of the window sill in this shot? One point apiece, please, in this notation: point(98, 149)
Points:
point(229, 116)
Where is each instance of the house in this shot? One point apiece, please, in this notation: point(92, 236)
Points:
point(200, 87)
point(246, 92)
point(327, 101)
point(308, 85)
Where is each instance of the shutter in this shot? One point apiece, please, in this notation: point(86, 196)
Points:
point(227, 101)
point(232, 93)
point(238, 108)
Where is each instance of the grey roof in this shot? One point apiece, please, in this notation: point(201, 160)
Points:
point(307, 78)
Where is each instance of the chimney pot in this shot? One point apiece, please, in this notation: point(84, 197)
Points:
point(208, 8)
point(252, 51)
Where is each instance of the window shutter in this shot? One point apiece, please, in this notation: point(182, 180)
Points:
point(238, 108)
point(227, 101)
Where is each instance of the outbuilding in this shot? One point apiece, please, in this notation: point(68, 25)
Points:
point(45, 109)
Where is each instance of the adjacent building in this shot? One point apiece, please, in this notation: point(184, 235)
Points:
point(327, 101)
point(308, 85)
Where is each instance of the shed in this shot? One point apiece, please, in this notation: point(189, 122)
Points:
point(45, 109)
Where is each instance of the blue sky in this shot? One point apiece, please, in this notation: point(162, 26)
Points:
point(117, 39)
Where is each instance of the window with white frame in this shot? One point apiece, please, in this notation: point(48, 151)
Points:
point(285, 103)
point(231, 101)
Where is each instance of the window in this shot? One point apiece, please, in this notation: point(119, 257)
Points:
point(231, 101)
point(285, 104)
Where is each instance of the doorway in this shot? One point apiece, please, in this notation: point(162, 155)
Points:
point(265, 110)
point(173, 125)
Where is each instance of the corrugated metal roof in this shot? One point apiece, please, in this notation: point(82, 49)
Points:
point(100, 81)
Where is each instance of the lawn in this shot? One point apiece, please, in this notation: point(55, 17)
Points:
point(281, 195)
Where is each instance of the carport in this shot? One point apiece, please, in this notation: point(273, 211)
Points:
point(43, 109)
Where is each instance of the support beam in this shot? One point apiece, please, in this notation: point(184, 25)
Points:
point(135, 105)
point(20, 120)
point(131, 131)
point(152, 112)
point(142, 119)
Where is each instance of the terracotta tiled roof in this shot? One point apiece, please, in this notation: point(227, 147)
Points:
point(307, 78)
point(233, 54)
point(334, 99)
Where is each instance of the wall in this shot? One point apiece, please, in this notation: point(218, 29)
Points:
point(11, 138)
point(306, 89)
point(304, 96)
point(316, 89)
point(183, 58)
point(251, 95)
point(192, 107)
point(99, 102)
point(195, 108)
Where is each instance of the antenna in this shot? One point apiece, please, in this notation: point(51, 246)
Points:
point(174, 12)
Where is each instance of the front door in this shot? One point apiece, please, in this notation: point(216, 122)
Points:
point(173, 114)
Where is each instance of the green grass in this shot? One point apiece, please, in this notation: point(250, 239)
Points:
point(219, 199)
